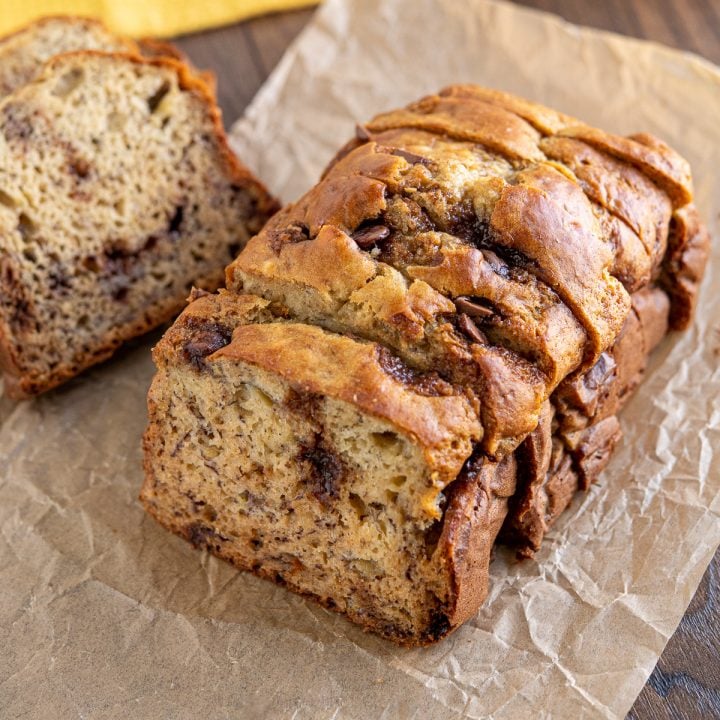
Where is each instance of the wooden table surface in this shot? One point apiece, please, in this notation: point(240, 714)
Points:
point(686, 680)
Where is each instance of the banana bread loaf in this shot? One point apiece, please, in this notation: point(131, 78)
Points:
point(118, 192)
point(425, 351)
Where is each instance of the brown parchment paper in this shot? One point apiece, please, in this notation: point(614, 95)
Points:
point(105, 615)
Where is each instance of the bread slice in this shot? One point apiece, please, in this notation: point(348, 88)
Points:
point(118, 192)
point(23, 53)
point(474, 244)
point(328, 481)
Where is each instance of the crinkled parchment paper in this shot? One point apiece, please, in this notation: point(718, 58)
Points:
point(104, 614)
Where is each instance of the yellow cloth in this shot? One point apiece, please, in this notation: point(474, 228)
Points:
point(139, 18)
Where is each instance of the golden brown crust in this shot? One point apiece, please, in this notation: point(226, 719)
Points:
point(531, 217)
point(658, 161)
point(510, 249)
point(546, 120)
point(478, 122)
point(561, 223)
point(477, 505)
point(649, 154)
point(308, 358)
point(684, 264)
point(553, 459)
point(155, 48)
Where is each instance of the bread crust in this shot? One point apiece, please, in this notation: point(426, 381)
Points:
point(585, 215)
point(13, 44)
point(72, 19)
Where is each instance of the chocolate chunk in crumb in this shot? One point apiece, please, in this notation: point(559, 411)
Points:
point(325, 469)
point(176, 221)
point(469, 328)
point(204, 340)
point(291, 234)
point(428, 384)
point(204, 537)
point(473, 308)
point(439, 625)
point(361, 133)
point(79, 167)
point(369, 236)
point(411, 157)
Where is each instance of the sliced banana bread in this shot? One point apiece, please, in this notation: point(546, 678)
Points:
point(118, 192)
point(429, 347)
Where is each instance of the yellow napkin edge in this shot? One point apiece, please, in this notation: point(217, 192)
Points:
point(146, 18)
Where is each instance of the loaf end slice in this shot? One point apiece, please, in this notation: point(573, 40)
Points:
point(118, 192)
point(23, 53)
point(358, 489)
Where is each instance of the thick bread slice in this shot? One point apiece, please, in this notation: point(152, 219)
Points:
point(118, 192)
point(23, 53)
point(250, 420)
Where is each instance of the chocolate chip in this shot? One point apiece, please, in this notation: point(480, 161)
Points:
point(439, 625)
point(120, 294)
point(411, 157)
point(204, 339)
point(26, 227)
point(463, 222)
point(156, 98)
point(369, 236)
point(325, 469)
point(79, 167)
point(176, 220)
point(204, 537)
point(427, 384)
point(294, 233)
point(91, 263)
point(58, 279)
point(466, 324)
point(472, 308)
point(361, 133)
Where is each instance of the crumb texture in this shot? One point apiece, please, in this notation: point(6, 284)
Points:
point(118, 193)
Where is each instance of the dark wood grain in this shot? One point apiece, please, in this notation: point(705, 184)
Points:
point(686, 681)
point(243, 55)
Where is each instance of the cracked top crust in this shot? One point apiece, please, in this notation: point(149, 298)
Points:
point(486, 238)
